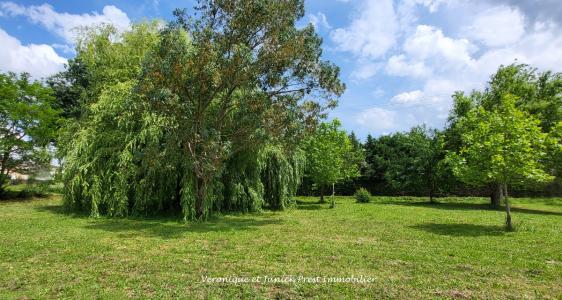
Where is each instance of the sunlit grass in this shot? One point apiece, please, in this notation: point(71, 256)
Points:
point(411, 249)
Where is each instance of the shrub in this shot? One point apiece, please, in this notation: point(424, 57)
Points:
point(38, 190)
point(362, 195)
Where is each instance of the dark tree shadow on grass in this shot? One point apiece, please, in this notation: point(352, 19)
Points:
point(60, 210)
point(472, 206)
point(461, 229)
point(13, 197)
point(173, 229)
point(534, 211)
point(166, 226)
point(310, 205)
point(443, 205)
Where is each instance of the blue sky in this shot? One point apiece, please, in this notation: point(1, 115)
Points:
point(401, 60)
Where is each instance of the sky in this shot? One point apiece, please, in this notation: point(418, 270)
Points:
point(401, 60)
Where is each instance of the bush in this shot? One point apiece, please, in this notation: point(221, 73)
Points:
point(39, 190)
point(362, 195)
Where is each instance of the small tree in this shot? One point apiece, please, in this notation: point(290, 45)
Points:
point(27, 125)
point(538, 93)
point(330, 157)
point(504, 145)
point(362, 196)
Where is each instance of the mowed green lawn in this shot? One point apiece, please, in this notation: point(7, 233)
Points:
point(456, 249)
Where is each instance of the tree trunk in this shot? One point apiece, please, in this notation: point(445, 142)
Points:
point(432, 185)
point(200, 194)
point(333, 204)
point(497, 195)
point(508, 224)
point(322, 194)
point(176, 205)
point(3, 163)
point(431, 197)
point(4, 179)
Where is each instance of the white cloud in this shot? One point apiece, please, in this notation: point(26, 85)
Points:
point(498, 26)
point(65, 24)
point(428, 53)
point(434, 62)
point(380, 120)
point(365, 70)
point(444, 65)
point(377, 119)
point(65, 48)
point(408, 10)
point(372, 33)
point(405, 111)
point(444, 88)
point(398, 66)
point(38, 60)
point(429, 43)
point(408, 97)
point(319, 20)
point(431, 5)
point(463, 70)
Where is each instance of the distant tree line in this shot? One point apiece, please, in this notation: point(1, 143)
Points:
point(421, 162)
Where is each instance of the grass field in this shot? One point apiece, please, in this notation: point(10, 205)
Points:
point(410, 249)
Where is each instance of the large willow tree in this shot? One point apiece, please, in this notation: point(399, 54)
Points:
point(203, 115)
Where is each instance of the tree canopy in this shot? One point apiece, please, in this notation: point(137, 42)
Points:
point(28, 124)
point(330, 156)
point(503, 145)
point(538, 94)
point(414, 166)
point(198, 116)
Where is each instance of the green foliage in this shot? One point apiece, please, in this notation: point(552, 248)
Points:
point(330, 156)
point(539, 94)
point(35, 190)
point(99, 150)
point(30, 189)
point(28, 124)
point(362, 196)
point(243, 187)
point(554, 150)
point(197, 117)
point(70, 88)
point(281, 175)
point(536, 94)
point(414, 162)
point(504, 145)
point(378, 156)
point(408, 163)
